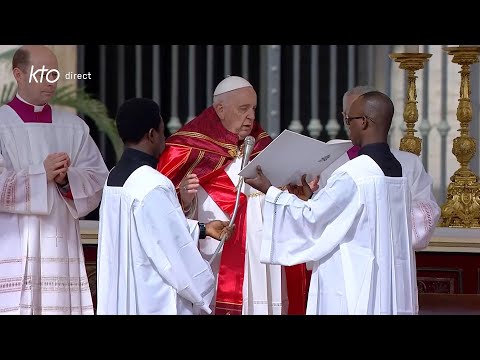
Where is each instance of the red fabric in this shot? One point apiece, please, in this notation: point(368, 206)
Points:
point(68, 194)
point(232, 263)
point(297, 289)
point(204, 137)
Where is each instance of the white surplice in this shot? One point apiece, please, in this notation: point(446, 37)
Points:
point(425, 210)
point(264, 286)
point(148, 260)
point(357, 233)
point(42, 266)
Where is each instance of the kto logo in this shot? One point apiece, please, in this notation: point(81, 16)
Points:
point(44, 71)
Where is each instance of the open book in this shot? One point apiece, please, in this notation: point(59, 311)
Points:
point(290, 155)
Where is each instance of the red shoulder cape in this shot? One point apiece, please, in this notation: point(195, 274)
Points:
point(202, 146)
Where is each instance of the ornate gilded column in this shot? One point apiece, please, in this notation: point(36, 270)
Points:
point(462, 206)
point(411, 62)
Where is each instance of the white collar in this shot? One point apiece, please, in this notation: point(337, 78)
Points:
point(36, 108)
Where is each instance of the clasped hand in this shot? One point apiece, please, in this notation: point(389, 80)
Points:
point(217, 229)
point(56, 167)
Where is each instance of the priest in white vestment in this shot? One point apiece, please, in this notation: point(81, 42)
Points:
point(51, 174)
point(203, 160)
point(356, 230)
point(148, 257)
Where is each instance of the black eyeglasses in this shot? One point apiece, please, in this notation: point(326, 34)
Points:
point(348, 119)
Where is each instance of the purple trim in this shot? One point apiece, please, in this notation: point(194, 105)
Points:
point(353, 152)
point(27, 113)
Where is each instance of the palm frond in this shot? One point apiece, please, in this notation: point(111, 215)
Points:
point(7, 55)
point(84, 103)
point(8, 91)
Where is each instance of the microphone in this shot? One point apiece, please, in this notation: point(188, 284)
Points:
point(248, 145)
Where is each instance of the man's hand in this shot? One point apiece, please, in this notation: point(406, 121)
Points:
point(216, 229)
point(62, 178)
point(260, 182)
point(55, 164)
point(314, 183)
point(188, 189)
point(306, 190)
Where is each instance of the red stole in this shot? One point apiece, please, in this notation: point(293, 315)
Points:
point(27, 112)
point(229, 297)
point(204, 147)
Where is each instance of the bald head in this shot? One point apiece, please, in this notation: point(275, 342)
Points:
point(370, 117)
point(379, 107)
point(26, 61)
point(23, 55)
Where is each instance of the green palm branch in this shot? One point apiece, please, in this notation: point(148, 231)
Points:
point(7, 56)
point(83, 103)
point(8, 90)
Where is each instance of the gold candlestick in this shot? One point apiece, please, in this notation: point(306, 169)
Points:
point(411, 62)
point(462, 206)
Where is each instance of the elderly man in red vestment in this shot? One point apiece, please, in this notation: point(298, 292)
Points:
point(203, 160)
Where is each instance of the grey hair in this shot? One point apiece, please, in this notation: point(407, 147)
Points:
point(220, 98)
point(357, 91)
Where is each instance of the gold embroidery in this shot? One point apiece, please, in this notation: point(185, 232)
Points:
point(233, 150)
point(195, 148)
point(262, 136)
point(200, 156)
point(220, 163)
point(201, 136)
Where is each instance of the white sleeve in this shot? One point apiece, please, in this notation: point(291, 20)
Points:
point(293, 228)
point(86, 176)
point(167, 240)
point(425, 210)
point(24, 191)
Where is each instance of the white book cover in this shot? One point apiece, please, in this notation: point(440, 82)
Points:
point(290, 155)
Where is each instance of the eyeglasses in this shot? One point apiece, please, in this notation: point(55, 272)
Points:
point(348, 119)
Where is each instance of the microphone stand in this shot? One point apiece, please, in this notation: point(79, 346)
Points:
point(232, 220)
point(248, 147)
